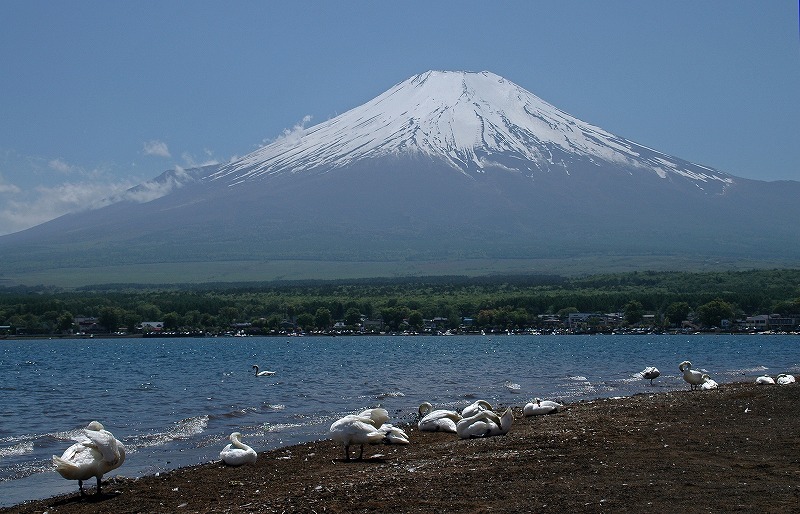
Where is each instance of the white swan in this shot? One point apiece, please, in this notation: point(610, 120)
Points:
point(367, 427)
point(478, 406)
point(485, 424)
point(708, 383)
point(378, 416)
point(262, 373)
point(93, 456)
point(765, 379)
point(694, 378)
point(393, 434)
point(237, 453)
point(785, 379)
point(437, 420)
point(650, 373)
point(538, 407)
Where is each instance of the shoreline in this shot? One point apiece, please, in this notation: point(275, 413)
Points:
point(737, 447)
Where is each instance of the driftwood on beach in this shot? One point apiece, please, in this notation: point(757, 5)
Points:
point(734, 448)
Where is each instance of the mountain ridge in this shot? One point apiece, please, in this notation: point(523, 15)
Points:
point(442, 167)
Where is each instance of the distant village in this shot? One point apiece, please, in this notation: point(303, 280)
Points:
point(568, 323)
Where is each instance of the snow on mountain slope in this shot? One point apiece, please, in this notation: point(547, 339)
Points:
point(473, 121)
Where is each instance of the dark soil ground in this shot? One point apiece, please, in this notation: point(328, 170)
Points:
point(733, 449)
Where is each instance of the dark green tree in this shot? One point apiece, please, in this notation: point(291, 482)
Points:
point(712, 313)
point(677, 312)
point(323, 318)
point(634, 312)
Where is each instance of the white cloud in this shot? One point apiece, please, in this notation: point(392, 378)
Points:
point(60, 166)
point(153, 189)
point(29, 208)
point(293, 135)
point(192, 162)
point(157, 148)
point(8, 188)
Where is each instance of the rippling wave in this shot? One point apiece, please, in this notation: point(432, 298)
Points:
point(174, 402)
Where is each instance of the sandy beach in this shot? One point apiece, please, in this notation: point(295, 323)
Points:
point(733, 449)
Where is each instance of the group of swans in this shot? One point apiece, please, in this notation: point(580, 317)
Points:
point(95, 454)
point(475, 420)
point(367, 427)
point(781, 379)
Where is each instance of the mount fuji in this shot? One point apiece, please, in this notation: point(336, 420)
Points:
point(444, 173)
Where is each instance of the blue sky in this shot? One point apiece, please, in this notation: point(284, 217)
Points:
point(96, 96)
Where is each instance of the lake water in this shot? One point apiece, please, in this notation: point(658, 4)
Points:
point(173, 402)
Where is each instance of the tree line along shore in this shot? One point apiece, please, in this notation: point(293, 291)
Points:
point(755, 300)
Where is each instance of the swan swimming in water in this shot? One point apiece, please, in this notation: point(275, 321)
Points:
point(765, 379)
point(785, 379)
point(97, 453)
point(708, 383)
point(539, 407)
point(485, 423)
point(650, 373)
point(692, 377)
point(237, 453)
point(262, 373)
point(437, 420)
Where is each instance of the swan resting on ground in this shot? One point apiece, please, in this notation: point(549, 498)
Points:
point(485, 423)
point(539, 407)
point(439, 420)
point(97, 453)
point(765, 379)
point(367, 427)
point(237, 453)
point(692, 377)
point(262, 373)
point(785, 379)
point(478, 406)
point(708, 383)
point(650, 373)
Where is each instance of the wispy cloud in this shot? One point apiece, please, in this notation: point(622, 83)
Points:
point(156, 188)
point(292, 135)
point(60, 165)
point(29, 208)
point(192, 162)
point(157, 148)
point(6, 188)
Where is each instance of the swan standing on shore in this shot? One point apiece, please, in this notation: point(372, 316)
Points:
point(694, 378)
point(237, 453)
point(785, 379)
point(262, 373)
point(538, 407)
point(366, 427)
point(93, 456)
point(439, 420)
point(650, 373)
point(485, 423)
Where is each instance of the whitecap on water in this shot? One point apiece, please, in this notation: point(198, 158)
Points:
point(17, 449)
point(183, 429)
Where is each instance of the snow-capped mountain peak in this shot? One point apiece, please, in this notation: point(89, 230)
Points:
point(473, 121)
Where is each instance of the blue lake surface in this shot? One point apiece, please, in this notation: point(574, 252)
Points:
point(174, 402)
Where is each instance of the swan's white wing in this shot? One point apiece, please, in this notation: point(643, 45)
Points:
point(105, 443)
